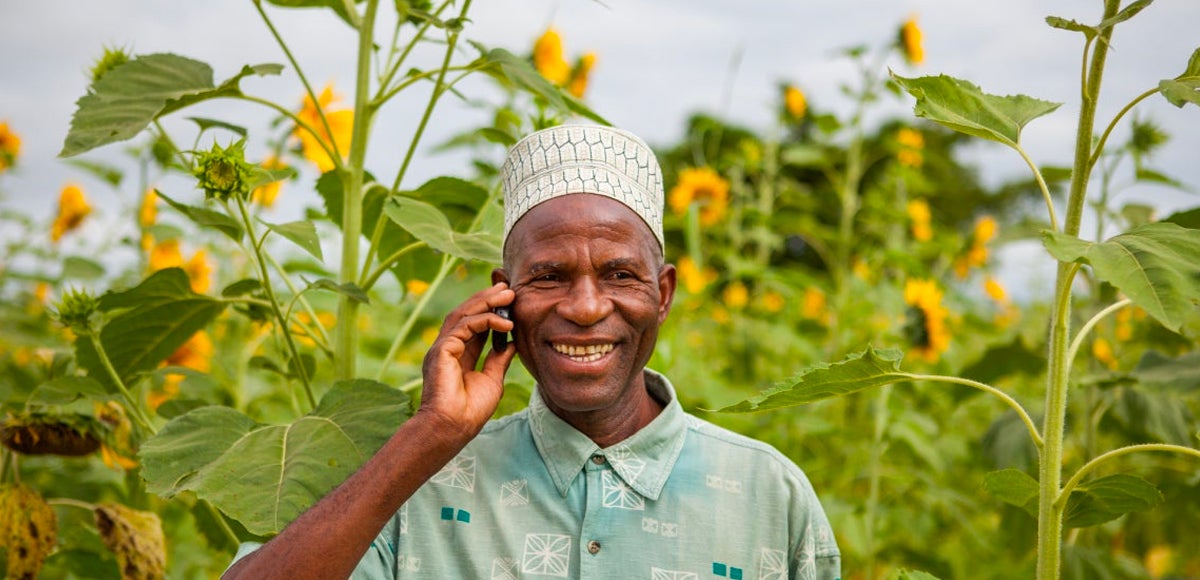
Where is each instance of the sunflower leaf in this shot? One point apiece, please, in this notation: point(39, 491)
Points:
point(517, 72)
point(206, 218)
point(865, 370)
point(302, 233)
point(1108, 498)
point(1154, 265)
point(1015, 487)
point(129, 97)
point(962, 106)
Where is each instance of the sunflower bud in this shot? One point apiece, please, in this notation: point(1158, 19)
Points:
point(111, 59)
point(76, 310)
point(224, 173)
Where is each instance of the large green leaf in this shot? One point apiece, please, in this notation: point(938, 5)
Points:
point(1015, 487)
point(962, 106)
point(1154, 265)
point(151, 321)
point(1158, 371)
point(865, 370)
point(1109, 498)
point(128, 98)
point(428, 224)
point(1181, 92)
point(266, 475)
point(302, 233)
point(519, 73)
point(1189, 218)
point(206, 218)
point(65, 390)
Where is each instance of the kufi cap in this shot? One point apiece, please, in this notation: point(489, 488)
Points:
point(583, 159)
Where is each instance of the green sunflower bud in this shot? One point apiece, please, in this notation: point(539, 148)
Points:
point(112, 58)
point(224, 173)
point(76, 310)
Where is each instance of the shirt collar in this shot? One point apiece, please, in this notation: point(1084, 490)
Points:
point(644, 460)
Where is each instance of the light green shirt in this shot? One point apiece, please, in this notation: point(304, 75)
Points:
point(682, 499)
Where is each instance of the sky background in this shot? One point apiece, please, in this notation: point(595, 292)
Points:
point(659, 62)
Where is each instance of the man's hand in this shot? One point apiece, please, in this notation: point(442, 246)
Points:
point(454, 392)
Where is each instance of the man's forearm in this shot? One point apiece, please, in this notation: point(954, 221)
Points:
point(329, 539)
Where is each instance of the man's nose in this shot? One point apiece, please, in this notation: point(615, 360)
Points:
point(585, 303)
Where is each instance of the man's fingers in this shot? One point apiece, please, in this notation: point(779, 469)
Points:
point(481, 302)
point(497, 362)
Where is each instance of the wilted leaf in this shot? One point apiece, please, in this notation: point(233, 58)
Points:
point(28, 530)
point(206, 218)
point(136, 538)
point(129, 97)
point(156, 317)
point(302, 233)
point(1064, 24)
point(1154, 265)
point(962, 106)
point(266, 475)
point(1109, 498)
point(870, 368)
point(428, 224)
point(1015, 487)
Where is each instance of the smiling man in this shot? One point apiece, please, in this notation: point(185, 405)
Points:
point(604, 475)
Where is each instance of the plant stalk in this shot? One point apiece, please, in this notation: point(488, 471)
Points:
point(135, 410)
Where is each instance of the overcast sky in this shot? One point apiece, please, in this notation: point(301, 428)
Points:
point(659, 61)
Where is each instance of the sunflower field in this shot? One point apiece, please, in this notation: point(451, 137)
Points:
point(198, 372)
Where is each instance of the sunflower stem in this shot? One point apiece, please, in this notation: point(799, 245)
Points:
point(135, 410)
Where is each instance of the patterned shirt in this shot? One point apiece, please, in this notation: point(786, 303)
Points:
point(682, 499)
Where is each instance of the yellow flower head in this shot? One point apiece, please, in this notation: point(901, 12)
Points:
point(918, 213)
point(265, 195)
point(300, 328)
point(814, 304)
point(199, 272)
point(548, 58)
point(704, 187)
point(195, 354)
point(736, 295)
point(165, 255)
point(693, 277)
point(72, 208)
point(578, 84)
point(977, 253)
point(911, 143)
point(995, 290)
point(337, 137)
point(10, 146)
point(910, 41)
point(416, 287)
point(773, 302)
point(985, 229)
point(794, 102)
point(926, 327)
point(148, 211)
point(1103, 352)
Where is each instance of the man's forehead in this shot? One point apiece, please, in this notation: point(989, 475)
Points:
point(560, 226)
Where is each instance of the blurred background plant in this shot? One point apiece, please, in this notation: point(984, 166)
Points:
point(796, 243)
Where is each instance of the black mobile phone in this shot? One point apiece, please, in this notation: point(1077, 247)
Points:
point(500, 339)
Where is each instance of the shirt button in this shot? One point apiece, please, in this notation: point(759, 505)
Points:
point(598, 460)
point(594, 547)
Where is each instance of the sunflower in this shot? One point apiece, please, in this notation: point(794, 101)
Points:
point(976, 254)
point(548, 57)
point(911, 143)
point(814, 304)
point(198, 267)
point(578, 84)
point(1103, 352)
point(265, 195)
point(72, 208)
point(704, 187)
point(341, 128)
point(910, 41)
point(694, 278)
point(10, 147)
point(736, 296)
point(995, 290)
point(918, 212)
point(195, 354)
point(926, 327)
point(794, 102)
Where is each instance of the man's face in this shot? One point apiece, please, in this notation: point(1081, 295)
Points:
point(591, 292)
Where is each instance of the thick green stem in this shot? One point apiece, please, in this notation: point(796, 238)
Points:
point(280, 319)
point(135, 410)
point(346, 335)
point(1050, 514)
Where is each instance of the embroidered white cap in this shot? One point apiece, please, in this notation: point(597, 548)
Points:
point(583, 159)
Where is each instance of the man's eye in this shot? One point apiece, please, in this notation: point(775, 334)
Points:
point(624, 275)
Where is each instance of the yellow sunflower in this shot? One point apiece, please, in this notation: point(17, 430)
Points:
point(794, 102)
point(341, 128)
point(911, 143)
point(578, 84)
point(195, 354)
point(702, 186)
point(72, 208)
point(918, 213)
point(976, 254)
point(926, 326)
point(910, 41)
point(694, 278)
point(548, 57)
point(814, 304)
point(10, 146)
point(736, 296)
point(266, 194)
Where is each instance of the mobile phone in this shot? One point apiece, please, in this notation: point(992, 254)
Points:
point(500, 339)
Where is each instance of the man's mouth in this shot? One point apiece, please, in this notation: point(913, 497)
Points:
point(584, 353)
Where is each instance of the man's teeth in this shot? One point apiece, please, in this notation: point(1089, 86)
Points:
point(585, 353)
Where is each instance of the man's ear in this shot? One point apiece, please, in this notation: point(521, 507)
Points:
point(499, 275)
point(666, 291)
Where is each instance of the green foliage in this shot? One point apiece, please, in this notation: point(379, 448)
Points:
point(1154, 265)
point(131, 96)
point(302, 233)
point(868, 369)
point(1108, 498)
point(429, 225)
point(962, 106)
point(285, 467)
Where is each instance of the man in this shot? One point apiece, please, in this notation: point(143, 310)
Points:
point(604, 475)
